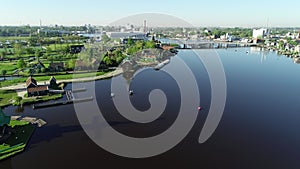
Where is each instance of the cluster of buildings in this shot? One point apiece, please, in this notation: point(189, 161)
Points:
point(261, 33)
point(288, 44)
point(124, 36)
point(5, 44)
point(33, 89)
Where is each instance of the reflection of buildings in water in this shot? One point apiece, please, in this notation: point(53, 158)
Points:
point(297, 60)
point(128, 75)
point(260, 51)
point(129, 67)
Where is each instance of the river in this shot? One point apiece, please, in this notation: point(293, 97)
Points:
point(259, 127)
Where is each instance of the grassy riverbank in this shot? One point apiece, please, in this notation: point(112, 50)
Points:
point(47, 77)
point(39, 99)
point(7, 98)
point(8, 94)
point(16, 143)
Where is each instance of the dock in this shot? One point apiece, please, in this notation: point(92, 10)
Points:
point(78, 90)
point(33, 120)
point(70, 99)
point(63, 91)
point(64, 102)
point(69, 95)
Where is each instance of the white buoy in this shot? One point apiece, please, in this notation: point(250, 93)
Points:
point(130, 92)
point(112, 95)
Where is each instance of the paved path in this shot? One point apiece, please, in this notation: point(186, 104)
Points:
point(21, 88)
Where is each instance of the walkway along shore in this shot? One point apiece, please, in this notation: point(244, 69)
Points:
point(22, 86)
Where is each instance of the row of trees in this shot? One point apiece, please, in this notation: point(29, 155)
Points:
point(173, 32)
point(33, 30)
point(134, 47)
point(237, 32)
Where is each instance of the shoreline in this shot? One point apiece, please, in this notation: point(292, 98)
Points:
point(22, 131)
point(22, 86)
point(21, 89)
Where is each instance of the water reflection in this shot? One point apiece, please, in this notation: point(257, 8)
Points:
point(259, 128)
point(19, 109)
point(297, 60)
point(260, 51)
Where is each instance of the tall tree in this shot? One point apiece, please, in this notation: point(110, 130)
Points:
point(18, 100)
point(3, 73)
point(21, 64)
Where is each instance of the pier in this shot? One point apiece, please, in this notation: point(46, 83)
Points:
point(70, 99)
point(58, 103)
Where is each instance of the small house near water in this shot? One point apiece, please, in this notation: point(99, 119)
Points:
point(33, 89)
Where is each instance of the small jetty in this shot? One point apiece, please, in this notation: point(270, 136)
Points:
point(63, 91)
point(69, 95)
point(79, 90)
point(58, 103)
point(70, 99)
point(162, 64)
point(33, 120)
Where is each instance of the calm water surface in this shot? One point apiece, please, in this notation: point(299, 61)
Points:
point(259, 128)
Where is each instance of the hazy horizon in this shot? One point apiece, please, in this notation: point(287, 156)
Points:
point(231, 13)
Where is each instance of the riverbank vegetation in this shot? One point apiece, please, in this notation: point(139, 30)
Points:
point(43, 56)
point(10, 97)
point(30, 100)
point(59, 76)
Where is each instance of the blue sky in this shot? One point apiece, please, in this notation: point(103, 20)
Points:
point(253, 13)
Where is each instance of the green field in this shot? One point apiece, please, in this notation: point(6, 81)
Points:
point(6, 96)
point(13, 38)
point(14, 123)
point(8, 66)
point(61, 47)
point(47, 77)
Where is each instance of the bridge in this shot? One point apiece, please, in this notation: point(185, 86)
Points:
point(205, 44)
point(213, 44)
